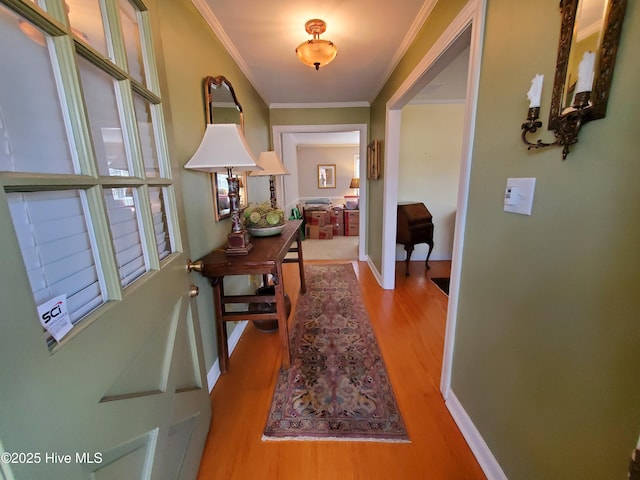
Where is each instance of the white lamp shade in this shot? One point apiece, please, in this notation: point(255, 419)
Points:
point(270, 164)
point(223, 147)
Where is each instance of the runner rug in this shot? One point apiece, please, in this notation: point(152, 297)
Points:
point(337, 387)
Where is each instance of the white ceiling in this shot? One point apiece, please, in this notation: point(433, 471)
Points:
point(371, 37)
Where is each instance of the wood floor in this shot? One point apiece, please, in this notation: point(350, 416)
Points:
point(409, 325)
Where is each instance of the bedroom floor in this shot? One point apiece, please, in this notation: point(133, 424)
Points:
point(337, 248)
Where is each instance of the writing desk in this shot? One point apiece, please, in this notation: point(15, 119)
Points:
point(265, 258)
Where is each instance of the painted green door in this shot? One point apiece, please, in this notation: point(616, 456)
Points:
point(124, 398)
point(91, 232)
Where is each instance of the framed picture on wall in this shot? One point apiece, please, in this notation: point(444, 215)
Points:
point(326, 176)
point(373, 160)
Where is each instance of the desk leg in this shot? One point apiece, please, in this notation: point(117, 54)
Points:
point(409, 249)
point(283, 327)
point(221, 326)
point(303, 282)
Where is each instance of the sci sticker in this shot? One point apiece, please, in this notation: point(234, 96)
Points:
point(54, 317)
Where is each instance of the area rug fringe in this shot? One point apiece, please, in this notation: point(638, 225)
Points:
point(334, 439)
point(337, 388)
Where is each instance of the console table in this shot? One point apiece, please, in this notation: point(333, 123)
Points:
point(266, 257)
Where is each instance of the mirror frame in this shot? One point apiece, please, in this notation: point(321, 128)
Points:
point(605, 62)
point(220, 206)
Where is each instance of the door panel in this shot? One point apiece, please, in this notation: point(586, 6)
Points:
point(118, 393)
point(124, 394)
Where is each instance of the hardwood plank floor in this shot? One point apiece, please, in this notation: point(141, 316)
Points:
point(409, 325)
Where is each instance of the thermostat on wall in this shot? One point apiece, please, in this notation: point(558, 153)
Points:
point(518, 196)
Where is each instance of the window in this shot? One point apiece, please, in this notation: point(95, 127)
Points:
point(84, 162)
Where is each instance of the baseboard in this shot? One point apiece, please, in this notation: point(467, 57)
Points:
point(481, 451)
point(374, 270)
point(214, 373)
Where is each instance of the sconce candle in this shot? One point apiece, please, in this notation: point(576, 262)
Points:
point(535, 92)
point(585, 72)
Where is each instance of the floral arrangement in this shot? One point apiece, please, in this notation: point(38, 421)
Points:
point(263, 215)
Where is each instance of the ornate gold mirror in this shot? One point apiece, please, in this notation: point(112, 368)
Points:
point(587, 26)
point(222, 106)
point(589, 38)
point(221, 102)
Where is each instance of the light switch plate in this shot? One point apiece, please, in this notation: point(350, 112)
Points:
point(518, 195)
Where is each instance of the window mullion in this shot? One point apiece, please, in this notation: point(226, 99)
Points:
point(103, 243)
point(172, 216)
point(39, 17)
point(115, 42)
point(146, 228)
point(148, 56)
point(70, 93)
point(161, 141)
point(128, 120)
point(30, 182)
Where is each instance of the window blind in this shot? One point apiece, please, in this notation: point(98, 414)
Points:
point(127, 241)
point(160, 227)
point(56, 248)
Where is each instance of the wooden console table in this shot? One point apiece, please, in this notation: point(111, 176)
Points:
point(266, 257)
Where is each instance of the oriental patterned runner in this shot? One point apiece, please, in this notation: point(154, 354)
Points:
point(337, 387)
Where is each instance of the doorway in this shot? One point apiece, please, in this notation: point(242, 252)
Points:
point(465, 31)
point(285, 141)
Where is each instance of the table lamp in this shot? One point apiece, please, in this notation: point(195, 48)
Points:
point(223, 149)
point(355, 184)
point(272, 166)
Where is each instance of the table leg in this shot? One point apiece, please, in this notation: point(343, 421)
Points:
point(303, 283)
point(221, 326)
point(283, 327)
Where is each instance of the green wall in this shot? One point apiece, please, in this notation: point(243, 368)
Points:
point(441, 16)
point(547, 341)
point(429, 170)
point(191, 51)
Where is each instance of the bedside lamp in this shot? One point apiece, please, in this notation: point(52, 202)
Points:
point(272, 166)
point(224, 148)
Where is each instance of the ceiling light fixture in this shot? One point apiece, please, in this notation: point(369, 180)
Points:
point(315, 52)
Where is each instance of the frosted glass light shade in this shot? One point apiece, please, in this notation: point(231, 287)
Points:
point(316, 53)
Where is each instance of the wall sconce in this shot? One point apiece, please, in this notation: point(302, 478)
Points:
point(589, 38)
point(315, 52)
point(571, 118)
point(222, 149)
point(271, 166)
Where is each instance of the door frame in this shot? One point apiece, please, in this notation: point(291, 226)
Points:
point(470, 17)
point(279, 131)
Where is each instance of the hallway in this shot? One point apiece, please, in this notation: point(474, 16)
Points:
point(409, 325)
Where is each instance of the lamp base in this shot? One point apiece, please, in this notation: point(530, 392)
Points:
point(238, 243)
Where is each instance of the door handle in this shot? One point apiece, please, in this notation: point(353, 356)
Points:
point(193, 291)
point(197, 266)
